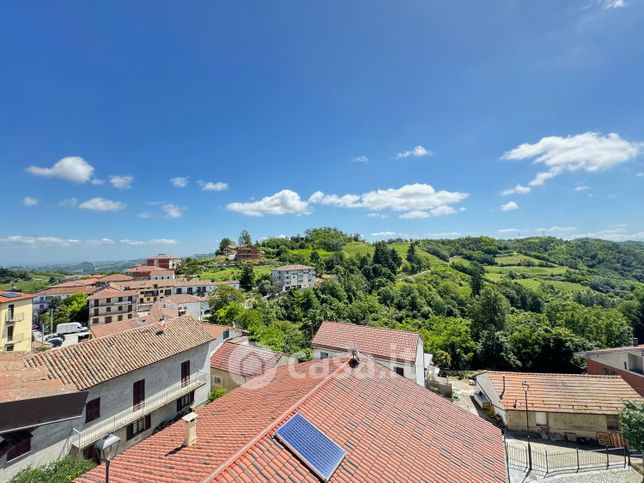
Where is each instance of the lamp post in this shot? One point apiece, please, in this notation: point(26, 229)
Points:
point(526, 386)
point(106, 447)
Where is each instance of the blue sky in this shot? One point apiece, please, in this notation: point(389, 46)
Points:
point(379, 118)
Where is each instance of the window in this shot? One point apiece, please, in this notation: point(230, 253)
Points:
point(541, 418)
point(95, 320)
point(19, 448)
point(217, 380)
point(108, 319)
point(609, 372)
point(109, 301)
point(120, 318)
point(185, 373)
point(324, 355)
point(10, 332)
point(137, 427)
point(120, 299)
point(185, 400)
point(399, 370)
point(95, 311)
point(120, 308)
point(9, 348)
point(226, 334)
point(138, 394)
point(109, 309)
point(612, 422)
point(93, 410)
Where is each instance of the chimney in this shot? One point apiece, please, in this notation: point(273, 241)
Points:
point(189, 428)
point(636, 341)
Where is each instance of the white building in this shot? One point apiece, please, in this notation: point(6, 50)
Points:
point(294, 276)
point(135, 380)
point(112, 304)
point(43, 299)
point(187, 304)
point(399, 350)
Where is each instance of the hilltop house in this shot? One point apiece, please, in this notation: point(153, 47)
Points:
point(570, 405)
point(294, 276)
point(145, 272)
point(399, 350)
point(134, 381)
point(236, 362)
point(627, 362)
point(15, 321)
point(246, 253)
point(365, 423)
point(163, 260)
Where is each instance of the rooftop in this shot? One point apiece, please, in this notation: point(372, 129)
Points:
point(148, 269)
point(173, 282)
point(13, 296)
point(19, 382)
point(184, 298)
point(112, 292)
point(99, 360)
point(115, 277)
point(244, 360)
point(88, 289)
point(285, 268)
point(380, 342)
point(214, 330)
point(103, 330)
point(78, 283)
point(388, 426)
point(564, 393)
point(626, 348)
point(162, 256)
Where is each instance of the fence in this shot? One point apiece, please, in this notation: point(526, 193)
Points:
point(549, 461)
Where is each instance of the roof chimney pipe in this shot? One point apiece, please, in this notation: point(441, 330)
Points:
point(189, 429)
point(636, 341)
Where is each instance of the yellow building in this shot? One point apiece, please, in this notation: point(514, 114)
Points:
point(15, 321)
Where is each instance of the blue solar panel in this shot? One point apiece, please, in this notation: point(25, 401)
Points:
point(11, 295)
point(321, 454)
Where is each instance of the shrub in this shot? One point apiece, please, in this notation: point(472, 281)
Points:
point(216, 394)
point(63, 470)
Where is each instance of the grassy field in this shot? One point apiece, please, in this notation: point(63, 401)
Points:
point(306, 252)
point(232, 273)
point(564, 286)
point(39, 281)
point(358, 249)
point(529, 271)
point(515, 259)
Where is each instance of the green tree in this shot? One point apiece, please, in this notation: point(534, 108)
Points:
point(224, 243)
point(477, 272)
point(489, 311)
point(245, 238)
point(451, 335)
point(247, 277)
point(494, 352)
point(631, 420)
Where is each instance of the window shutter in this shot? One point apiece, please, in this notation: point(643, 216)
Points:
point(128, 432)
point(148, 422)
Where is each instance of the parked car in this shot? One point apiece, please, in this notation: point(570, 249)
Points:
point(55, 341)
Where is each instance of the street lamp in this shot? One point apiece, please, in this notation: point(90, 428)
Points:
point(106, 447)
point(526, 386)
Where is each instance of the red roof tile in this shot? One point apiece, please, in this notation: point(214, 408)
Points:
point(377, 341)
point(214, 330)
point(389, 427)
point(103, 330)
point(244, 360)
point(115, 277)
point(562, 393)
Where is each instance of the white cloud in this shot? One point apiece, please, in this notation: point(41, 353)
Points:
point(145, 215)
point(518, 189)
point(377, 215)
point(97, 182)
point(589, 152)
point(37, 241)
point(509, 230)
point(361, 159)
point(281, 203)
point(417, 200)
point(640, 174)
point(180, 181)
point(154, 241)
point(579, 189)
point(29, 201)
point(123, 182)
point(386, 234)
point(509, 206)
point(71, 168)
point(101, 204)
point(616, 233)
point(449, 234)
point(101, 241)
point(212, 186)
point(614, 3)
point(68, 203)
point(172, 211)
point(418, 151)
point(557, 229)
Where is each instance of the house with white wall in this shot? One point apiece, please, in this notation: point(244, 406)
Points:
point(135, 380)
point(400, 350)
point(627, 361)
point(294, 276)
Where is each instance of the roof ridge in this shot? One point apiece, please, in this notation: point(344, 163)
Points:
point(372, 327)
point(229, 462)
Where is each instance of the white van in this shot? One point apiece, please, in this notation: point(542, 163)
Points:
point(70, 328)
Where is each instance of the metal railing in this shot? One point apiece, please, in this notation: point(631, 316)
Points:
point(83, 438)
point(10, 319)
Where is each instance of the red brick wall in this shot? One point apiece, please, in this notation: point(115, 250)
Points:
point(635, 380)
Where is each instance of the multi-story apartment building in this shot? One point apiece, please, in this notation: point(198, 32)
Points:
point(247, 253)
point(145, 272)
point(163, 260)
point(294, 276)
point(42, 300)
point(112, 304)
point(15, 321)
point(134, 381)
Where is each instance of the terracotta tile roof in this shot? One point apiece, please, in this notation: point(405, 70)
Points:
point(380, 342)
point(115, 277)
point(88, 289)
point(112, 292)
point(21, 296)
point(172, 282)
point(293, 267)
point(214, 330)
point(160, 311)
point(244, 360)
point(103, 330)
point(99, 360)
point(185, 298)
point(19, 382)
point(148, 269)
point(563, 393)
point(389, 427)
point(162, 256)
point(78, 283)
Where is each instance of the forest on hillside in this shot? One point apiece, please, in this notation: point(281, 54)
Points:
point(477, 302)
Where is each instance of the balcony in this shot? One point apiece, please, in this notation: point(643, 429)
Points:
point(13, 318)
point(98, 429)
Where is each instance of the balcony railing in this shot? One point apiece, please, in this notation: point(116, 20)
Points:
point(16, 339)
point(85, 437)
point(13, 318)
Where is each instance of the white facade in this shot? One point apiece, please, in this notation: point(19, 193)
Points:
point(294, 277)
point(163, 387)
point(416, 371)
